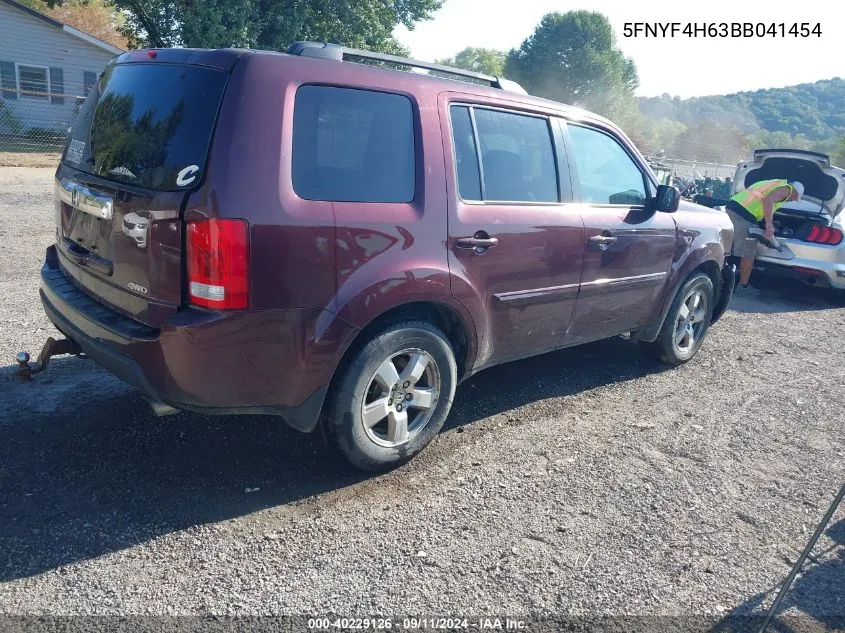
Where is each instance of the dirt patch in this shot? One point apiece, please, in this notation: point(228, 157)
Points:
point(29, 159)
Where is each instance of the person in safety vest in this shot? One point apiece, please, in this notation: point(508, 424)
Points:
point(749, 209)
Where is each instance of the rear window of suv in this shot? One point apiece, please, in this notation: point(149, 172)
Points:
point(353, 145)
point(148, 125)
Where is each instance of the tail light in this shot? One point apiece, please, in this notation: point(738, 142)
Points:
point(825, 235)
point(218, 264)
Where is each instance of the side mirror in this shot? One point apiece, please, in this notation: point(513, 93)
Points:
point(667, 199)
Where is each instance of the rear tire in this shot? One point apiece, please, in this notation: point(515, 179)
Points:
point(393, 397)
point(686, 323)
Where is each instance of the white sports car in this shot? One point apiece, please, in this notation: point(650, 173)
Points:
point(810, 230)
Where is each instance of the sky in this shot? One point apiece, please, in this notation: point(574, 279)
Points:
point(677, 65)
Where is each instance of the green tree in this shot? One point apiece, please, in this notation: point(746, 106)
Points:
point(38, 5)
point(661, 133)
point(814, 111)
point(763, 139)
point(837, 156)
point(96, 17)
point(480, 60)
point(573, 58)
point(712, 142)
point(273, 24)
point(99, 18)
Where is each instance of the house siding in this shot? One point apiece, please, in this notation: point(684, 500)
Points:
point(27, 40)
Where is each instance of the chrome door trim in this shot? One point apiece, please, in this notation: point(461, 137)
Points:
point(600, 286)
point(538, 294)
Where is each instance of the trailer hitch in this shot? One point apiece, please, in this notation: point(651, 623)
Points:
point(51, 348)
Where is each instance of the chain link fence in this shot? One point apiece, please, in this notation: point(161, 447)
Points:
point(693, 176)
point(45, 75)
point(699, 170)
point(43, 125)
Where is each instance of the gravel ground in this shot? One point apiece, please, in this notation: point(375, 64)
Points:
point(589, 481)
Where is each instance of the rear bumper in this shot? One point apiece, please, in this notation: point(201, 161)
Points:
point(815, 271)
point(201, 361)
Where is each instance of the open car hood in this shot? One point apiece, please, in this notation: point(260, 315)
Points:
point(824, 184)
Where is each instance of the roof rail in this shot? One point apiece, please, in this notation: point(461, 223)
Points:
point(336, 52)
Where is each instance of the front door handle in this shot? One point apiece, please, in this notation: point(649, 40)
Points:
point(602, 239)
point(479, 242)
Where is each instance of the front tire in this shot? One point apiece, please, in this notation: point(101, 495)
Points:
point(393, 397)
point(686, 323)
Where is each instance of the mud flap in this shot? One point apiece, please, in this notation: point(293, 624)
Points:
point(727, 290)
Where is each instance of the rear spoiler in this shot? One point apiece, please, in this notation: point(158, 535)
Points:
point(221, 59)
point(824, 159)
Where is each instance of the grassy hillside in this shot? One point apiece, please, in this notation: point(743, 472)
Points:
point(816, 111)
point(725, 128)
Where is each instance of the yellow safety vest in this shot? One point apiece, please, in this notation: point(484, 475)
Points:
point(752, 197)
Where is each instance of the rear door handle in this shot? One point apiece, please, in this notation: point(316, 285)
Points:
point(602, 239)
point(472, 242)
point(479, 242)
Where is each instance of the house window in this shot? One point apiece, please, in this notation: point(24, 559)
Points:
point(33, 82)
point(90, 80)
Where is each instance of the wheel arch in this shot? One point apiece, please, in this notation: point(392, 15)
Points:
point(703, 261)
point(456, 325)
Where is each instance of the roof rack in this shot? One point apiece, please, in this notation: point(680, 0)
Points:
point(336, 52)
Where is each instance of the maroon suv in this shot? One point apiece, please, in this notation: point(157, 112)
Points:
point(322, 234)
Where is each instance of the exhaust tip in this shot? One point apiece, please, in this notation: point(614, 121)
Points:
point(160, 409)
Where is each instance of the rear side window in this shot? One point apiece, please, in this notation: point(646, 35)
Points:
point(606, 173)
point(149, 125)
point(466, 155)
point(517, 156)
point(353, 145)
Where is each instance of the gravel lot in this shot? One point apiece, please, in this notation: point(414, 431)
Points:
point(590, 481)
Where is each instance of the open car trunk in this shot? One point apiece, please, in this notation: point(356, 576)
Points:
point(824, 188)
point(138, 145)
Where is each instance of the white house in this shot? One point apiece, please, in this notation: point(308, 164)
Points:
point(46, 67)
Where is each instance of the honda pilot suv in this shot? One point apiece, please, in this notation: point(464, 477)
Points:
point(324, 236)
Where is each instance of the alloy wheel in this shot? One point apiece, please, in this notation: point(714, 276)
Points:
point(401, 397)
point(690, 324)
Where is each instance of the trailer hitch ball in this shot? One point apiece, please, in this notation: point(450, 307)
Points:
point(23, 365)
point(51, 348)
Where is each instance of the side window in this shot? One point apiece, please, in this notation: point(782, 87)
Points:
point(466, 156)
point(606, 173)
point(517, 157)
point(353, 145)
